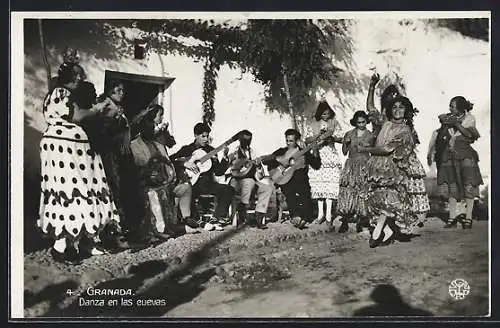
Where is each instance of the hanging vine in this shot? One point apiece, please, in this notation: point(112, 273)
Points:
point(211, 69)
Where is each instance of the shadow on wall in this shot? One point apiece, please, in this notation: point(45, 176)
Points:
point(31, 188)
point(80, 33)
point(347, 89)
point(388, 302)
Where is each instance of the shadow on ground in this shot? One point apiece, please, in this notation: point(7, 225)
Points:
point(182, 284)
point(388, 302)
point(53, 293)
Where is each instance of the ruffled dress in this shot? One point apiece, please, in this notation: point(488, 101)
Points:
point(395, 181)
point(353, 187)
point(75, 198)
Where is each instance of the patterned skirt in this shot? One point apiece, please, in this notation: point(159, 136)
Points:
point(393, 193)
point(459, 179)
point(159, 209)
point(325, 181)
point(353, 187)
point(75, 199)
point(415, 186)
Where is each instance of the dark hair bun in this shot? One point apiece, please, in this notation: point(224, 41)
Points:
point(469, 105)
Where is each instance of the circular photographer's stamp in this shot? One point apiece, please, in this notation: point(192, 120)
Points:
point(459, 289)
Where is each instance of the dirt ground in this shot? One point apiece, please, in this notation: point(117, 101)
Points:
point(280, 272)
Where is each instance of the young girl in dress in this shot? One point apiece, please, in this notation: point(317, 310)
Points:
point(353, 186)
point(325, 180)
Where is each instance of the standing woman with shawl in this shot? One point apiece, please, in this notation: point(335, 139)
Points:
point(353, 186)
point(114, 147)
point(458, 173)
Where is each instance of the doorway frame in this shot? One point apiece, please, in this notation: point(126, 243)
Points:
point(163, 83)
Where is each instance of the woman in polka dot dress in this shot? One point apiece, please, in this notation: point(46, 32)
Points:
point(75, 200)
point(325, 180)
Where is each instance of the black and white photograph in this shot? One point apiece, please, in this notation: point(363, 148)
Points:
point(208, 165)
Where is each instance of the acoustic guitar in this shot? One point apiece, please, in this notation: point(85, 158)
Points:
point(290, 163)
point(242, 166)
point(202, 159)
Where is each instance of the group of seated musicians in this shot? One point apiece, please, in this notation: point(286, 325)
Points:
point(168, 184)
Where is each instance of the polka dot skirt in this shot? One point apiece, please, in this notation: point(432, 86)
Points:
point(75, 197)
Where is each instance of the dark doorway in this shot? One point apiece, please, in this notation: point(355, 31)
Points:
point(140, 90)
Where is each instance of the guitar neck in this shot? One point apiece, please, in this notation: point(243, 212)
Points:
point(305, 150)
point(312, 144)
point(218, 149)
point(308, 147)
point(264, 158)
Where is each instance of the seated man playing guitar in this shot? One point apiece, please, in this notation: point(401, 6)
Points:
point(205, 183)
point(245, 177)
point(297, 190)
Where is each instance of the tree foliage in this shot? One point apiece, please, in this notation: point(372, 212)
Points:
point(477, 28)
point(297, 48)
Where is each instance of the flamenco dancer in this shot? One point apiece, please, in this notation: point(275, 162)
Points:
point(415, 185)
point(75, 201)
point(391, 175)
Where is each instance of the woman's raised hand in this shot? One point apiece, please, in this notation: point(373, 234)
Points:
point(375, 79)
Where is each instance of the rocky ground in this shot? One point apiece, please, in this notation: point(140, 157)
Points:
point(279, 272)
